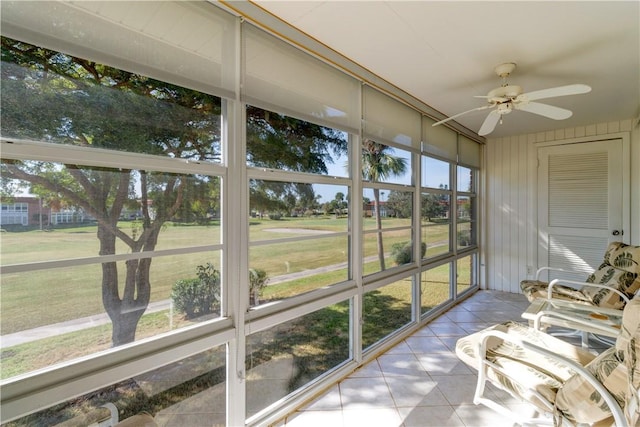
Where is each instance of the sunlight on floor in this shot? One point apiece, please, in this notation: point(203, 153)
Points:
point(420, 382)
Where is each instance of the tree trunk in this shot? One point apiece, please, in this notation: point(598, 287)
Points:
point(376, 201)
point(125, 325)
point(125, 312)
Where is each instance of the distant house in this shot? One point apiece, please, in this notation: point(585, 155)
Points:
point(23, 211)
point(26, 211)
point(370, 209)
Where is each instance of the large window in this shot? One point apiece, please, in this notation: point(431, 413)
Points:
point(298, 226)
point(132, 183)
point(388, 206)
point(435, 209)
point(299, 243)
point(286, 357)
point(449, 215)
point(193, 208)
point(191, 390)
point(466, 208)
point(122, 262)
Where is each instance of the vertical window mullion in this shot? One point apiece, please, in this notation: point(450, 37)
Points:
point(357, 240)
point(417, 234)
point(236, 209)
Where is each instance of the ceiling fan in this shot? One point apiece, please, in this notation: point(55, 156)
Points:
point(507, 98)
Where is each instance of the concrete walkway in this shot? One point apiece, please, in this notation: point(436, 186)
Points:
point(41, 332)
point(46, 331)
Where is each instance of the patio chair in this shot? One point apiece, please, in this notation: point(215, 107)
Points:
point(566, 384)
point(615, 281)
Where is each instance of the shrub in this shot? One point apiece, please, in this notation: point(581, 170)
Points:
point(257, 281)
point(200, 296)
point(464, 238)
point(275, 216)
point(402, 252)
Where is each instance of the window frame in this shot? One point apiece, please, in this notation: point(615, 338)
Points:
point(24, 393)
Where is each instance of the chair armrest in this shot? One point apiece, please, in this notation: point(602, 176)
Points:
point(575, 320)
point(611, 402)
point(574, 283)
point(543, 269)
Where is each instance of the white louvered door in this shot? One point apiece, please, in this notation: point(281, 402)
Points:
point(580, 204)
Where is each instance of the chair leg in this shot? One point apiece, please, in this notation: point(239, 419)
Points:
point(585, 339)
point(480, 399)
point(517, 418)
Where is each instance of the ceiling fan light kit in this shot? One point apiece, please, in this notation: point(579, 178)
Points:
point(507, 98)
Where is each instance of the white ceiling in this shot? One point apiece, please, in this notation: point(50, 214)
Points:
point(444, 52)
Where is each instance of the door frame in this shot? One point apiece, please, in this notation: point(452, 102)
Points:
point(625, 137)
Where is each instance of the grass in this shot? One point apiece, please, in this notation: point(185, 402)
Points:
point(196, 374)
point(74, 292)
point(47, 351)
point(315, 343)
point(50, 296)
point(385, 310)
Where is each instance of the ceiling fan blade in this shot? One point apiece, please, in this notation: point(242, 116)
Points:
point(552, 92)
point(545, 110)
point(484, 107)
point(489, 123)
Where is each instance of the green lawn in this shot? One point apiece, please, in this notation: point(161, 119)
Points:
point(49, 296)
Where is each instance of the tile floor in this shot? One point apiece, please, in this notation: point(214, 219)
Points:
point(420, 382)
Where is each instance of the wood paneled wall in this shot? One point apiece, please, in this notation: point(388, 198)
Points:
point(510, 209)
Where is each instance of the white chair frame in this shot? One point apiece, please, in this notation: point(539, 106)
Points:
point(548, 417)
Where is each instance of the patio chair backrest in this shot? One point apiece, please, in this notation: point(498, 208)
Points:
point(617, 368)
point(619, 270)
point(628, 350)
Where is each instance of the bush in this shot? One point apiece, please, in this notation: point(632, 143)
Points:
point(464, 238)
point(197, 297)
point(402, 252)
point(257, 281)
point(275, 216)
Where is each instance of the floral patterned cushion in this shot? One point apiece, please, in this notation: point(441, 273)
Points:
point(533, 289)
point(622, 256)
point(628, 350)
point(579, 401)
point(620, 270)
point(527, 370)
point(614, 278)
point(616, 368)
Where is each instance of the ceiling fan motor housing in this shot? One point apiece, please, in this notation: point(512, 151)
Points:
point(504, 93)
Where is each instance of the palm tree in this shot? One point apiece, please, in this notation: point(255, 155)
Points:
point(378, 164)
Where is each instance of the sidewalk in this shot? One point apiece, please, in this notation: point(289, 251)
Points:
point(41, 332)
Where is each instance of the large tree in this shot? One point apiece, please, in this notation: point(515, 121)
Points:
point(400, 204)
point(378, 164)
point(57, 98)
point(435, 205)
point(282, 142)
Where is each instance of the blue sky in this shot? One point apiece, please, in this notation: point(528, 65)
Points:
point(435, 173)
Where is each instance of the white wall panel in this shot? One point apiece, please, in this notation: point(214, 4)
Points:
point(511, 219)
